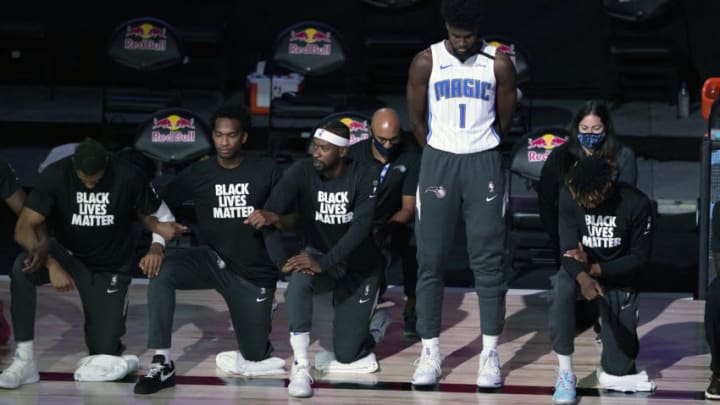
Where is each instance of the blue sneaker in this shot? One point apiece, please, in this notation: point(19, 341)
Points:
point(564, 388)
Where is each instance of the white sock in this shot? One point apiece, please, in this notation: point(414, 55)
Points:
point(565, 362)
point(300, 341)
point(431, 346)
point(24, 350)
point(165, 353)
point(489, 342)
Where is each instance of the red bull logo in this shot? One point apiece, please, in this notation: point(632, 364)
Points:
point(358, 129)
point(508, 50)
point(547, 142)
point(173, 128)
point(145, 37)
point(310, 41)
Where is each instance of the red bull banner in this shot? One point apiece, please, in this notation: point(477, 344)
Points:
point(309, 48)
point(174, 135)
point(359, 128)
point(145, 44)
point(539, 148)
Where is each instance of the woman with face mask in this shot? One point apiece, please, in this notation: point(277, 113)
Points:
point(591, 133)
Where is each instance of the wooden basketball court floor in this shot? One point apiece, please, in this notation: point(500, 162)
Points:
point(673, 351)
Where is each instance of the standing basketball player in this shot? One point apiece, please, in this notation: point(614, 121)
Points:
point(461, 96)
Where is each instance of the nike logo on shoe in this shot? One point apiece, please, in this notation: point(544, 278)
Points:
point(164, 376)
point(444, 66)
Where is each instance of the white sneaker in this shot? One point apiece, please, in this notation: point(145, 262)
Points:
point(19, 373)
point(300, 380)
point(427, 368)
point(232, 362)
point(378, 324)
point(489, 370)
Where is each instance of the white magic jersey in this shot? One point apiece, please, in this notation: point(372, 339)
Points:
point(461, 101)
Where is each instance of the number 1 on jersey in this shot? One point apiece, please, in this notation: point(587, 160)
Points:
point(462, 115)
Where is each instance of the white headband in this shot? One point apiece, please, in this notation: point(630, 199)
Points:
point(326, 135)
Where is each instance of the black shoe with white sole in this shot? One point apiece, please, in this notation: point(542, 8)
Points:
point(159, 376)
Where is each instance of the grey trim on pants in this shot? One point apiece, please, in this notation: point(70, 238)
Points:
point(200, 268)
point(450, 186)
point(103, 296)
point(618, 317)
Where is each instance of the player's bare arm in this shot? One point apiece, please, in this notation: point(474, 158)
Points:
point(15, 201)
point(416, 92)
point(31, 234)
point(506, 92)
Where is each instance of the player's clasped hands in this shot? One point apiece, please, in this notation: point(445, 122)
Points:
point(303, 262)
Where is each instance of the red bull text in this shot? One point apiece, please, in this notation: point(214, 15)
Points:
point(546, 142)
point(309, 42)
point(145, 37)
point(173, 129)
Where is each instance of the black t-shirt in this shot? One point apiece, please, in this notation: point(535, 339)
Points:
point(337, 213)
point(397, 178)
point(94, 224)
point(9, 183)
point(617, 234)
point(223, 199)
point(552, 179)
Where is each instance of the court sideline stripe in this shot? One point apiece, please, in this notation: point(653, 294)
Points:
point(399, 386)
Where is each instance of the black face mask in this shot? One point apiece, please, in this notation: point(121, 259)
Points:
point(387, 153)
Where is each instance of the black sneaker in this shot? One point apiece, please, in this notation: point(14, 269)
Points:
point(159, 376)
point(713, 390)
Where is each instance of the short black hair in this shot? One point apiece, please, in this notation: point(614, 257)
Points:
point(236, 111)
point(338, 128)
point(591, 175)
point(90, 157)
point(463, 14)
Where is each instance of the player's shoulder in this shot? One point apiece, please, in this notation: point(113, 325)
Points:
point(360, 150)
point(128, 173)
point(423, 59)
point(301, 167)
point(262, 163)
point(57, 169)
point(362, 167)
point(631, 193)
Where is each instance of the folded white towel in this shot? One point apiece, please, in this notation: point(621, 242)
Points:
point(233, 362)
point(625, 383)
point(104, 367)
point(325, 361)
